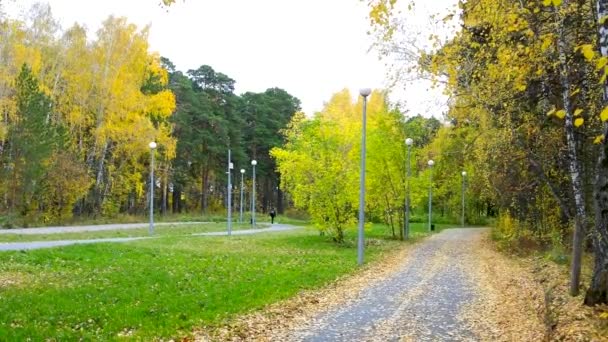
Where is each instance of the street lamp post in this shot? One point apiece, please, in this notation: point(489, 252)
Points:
point(464, 176)
point(241, 206)
point(229, 189)
point(364, 93)
point(406, 226)
point(253, 163)
point(431, 163)
point(152, 146)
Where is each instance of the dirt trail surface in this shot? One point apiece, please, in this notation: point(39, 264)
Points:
point(421, 301)
point(18, 246)
point(450, 287)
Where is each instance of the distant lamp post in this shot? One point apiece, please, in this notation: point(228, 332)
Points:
point(406, 227)
point(152, 146)
point(431, 163)
point(365, 92)
point(464, 184)
point(241, 206)
point(253, 164)
point(229, 199)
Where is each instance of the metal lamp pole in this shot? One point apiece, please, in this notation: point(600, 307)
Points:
point(431, 163)
point(364, 93)
point(229, 188)
point(152, 146)
point(464, 176)
point(241, 206)
point(253, 163)
point(406, 226)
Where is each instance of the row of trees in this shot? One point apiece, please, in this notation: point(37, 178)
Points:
point(78, 111)
point(319, 165)
point(526, 81)
point(208, 121)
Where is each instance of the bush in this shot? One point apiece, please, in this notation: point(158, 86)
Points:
point(297, 214)
point(506, 231)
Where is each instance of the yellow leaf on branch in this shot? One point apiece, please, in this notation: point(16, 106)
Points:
point(587, 50)
point(604, 114)
point(599, 139)
point(579, 122)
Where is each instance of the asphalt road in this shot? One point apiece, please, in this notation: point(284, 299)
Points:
point(18, 246)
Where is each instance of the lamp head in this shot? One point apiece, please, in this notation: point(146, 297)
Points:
point(409, 141)
point(431, 162)
point(242, 170)
point(365, 92)
point(152, 145)
point(254, 162)
point(464, 173)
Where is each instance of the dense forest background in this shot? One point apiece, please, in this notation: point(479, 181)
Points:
point(78, 111)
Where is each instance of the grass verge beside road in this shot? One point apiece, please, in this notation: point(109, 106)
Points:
point(163, 288)
point(159, 230)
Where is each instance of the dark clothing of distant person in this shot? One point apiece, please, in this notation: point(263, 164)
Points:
point(272, 215)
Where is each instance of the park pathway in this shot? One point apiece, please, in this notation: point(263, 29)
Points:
point(90, 228)
point(422, 301)
point(18, 246)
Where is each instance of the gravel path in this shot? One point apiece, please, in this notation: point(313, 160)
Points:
point(91, 228)
point(422, 301)
point(18, 246)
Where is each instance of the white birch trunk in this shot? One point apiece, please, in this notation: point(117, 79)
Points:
point(598, 289)
point(573, 163)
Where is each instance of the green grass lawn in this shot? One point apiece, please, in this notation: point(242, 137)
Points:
point(417, 229)
point(162, 288)
point(163, 230)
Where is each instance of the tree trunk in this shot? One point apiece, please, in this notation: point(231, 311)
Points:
point(163, 206)
point(573, 163)
point(598, 289)
point(280, 207)
point(99, 193)
point(176, 200)
point(204, 194)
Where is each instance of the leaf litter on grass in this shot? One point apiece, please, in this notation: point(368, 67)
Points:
point(277, 321)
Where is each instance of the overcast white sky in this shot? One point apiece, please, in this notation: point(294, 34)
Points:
point(311, 48)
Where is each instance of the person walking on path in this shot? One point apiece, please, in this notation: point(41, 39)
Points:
point(272, 215)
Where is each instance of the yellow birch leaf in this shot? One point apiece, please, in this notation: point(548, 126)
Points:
point(578, 112)
point(588, 51)
point(604, 114)
point(601, 63)
point(560, 113)
point(557, 2)
point(599, 139)
point(579, 122)
point(551, 112)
